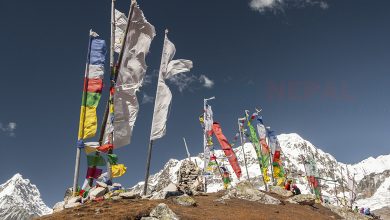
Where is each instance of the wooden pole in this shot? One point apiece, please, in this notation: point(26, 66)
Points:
point(84, 99)
point(243, 149)
point(151, 128)
point(148, 166)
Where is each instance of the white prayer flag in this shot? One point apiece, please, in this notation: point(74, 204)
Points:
point(130, 77)
point(168, 68)
point(120, 29)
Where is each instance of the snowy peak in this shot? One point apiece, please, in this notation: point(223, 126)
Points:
point(372, 175)
point(19, 199)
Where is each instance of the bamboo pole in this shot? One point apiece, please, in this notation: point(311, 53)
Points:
point(243, 149)
point(84, 101)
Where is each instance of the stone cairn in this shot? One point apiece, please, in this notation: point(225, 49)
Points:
point(189, 179)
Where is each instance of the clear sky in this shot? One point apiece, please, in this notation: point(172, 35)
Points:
point(319, 69)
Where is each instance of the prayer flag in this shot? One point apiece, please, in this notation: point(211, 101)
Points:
point(93, 85)
point(130, 78)
point(168, 68)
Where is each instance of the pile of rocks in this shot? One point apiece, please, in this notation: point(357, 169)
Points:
point(100, 192)
point(245, 190)
point(190, 178)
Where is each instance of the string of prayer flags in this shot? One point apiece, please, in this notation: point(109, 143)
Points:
point(93, 85)
point(279, 173)
point(256, 144)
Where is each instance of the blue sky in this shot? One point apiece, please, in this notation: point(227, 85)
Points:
point(317, 68)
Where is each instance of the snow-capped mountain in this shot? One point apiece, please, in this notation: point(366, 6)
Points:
point(19, 199)
point(371, 176)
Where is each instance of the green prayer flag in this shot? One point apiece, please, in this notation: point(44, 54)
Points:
point(112, 159)
point(95, 160)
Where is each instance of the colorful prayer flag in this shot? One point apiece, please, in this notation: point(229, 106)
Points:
point(227, 149)
point(118, 170)
point(93, 85)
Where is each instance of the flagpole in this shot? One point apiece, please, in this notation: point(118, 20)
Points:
point(242, 146)
point(150, 147)
point(77, 162)
point(114, 74)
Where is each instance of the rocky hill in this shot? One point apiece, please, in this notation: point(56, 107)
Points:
point(19, 200)
point(371, 176)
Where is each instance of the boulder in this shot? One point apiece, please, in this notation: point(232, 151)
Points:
point(168, 191)
point(280, 191)
point(246, 191)
point(149, 218)
point(97, 192)
point(59, 206)
point(302, 199)
point(74, 200)
point(71, 205)
point(163, 212)
point(184, 200)
point(68, 194)
point(129, 195)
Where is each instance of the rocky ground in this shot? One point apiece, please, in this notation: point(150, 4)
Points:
point(209, 206)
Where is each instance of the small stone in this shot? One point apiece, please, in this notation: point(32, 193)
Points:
point(97, 192)
point(163, 212)
point(149, 218)
point(116, 198)
point(129, 195)
point(101, 184)
point(184, 200)
point(117, 185)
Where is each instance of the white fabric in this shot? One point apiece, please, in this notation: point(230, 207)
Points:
point(95, 71)
point(120, 29)
point(168, 68)
point(130, 77)
point(208, 126)
point(261, 130)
